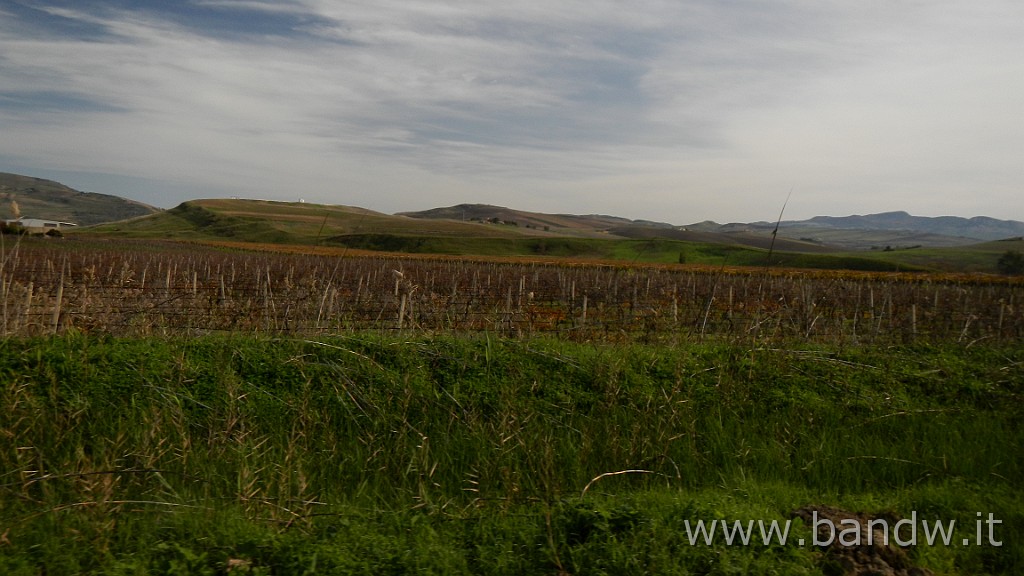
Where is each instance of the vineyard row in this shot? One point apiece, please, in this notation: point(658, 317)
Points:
point(46, 290)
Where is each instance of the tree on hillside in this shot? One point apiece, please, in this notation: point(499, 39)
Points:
point(1011, 263)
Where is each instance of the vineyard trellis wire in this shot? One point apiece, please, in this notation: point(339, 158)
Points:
point(138, 289)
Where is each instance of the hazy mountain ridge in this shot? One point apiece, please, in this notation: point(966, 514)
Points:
point(49, 200)
point(975, 228)
point(878, 231)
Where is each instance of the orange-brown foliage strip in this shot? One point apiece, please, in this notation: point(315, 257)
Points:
point(132, 288)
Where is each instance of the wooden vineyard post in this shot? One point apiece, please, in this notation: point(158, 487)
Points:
point(401, 311)
point(28, 306)
point(55, 320)
point(323, 302)
point(3, 294)
point(998, 329)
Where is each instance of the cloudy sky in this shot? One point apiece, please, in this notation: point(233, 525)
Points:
point(672, 110)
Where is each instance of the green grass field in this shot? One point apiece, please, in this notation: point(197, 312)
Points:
point(980, 257)
point(652, 251)
point(476, 455)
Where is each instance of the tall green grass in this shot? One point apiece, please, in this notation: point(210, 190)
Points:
point(377, 454)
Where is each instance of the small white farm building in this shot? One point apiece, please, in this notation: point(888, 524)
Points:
point(38, 224)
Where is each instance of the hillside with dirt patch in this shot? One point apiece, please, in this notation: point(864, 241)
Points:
point(25, 196)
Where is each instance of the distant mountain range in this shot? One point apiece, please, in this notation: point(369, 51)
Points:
point(979, 227)
point(889, 229)
point(48, 200)
point(39, 198)
point(895, 229)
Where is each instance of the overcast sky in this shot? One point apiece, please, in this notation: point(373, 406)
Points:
point(674, 110)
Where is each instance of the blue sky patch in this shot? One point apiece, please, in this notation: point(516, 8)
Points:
point(216, 19)
point(52, 101)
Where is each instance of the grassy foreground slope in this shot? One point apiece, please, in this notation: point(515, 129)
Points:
point(458, 455)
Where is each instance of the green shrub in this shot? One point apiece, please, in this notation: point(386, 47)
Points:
point(1011, 263)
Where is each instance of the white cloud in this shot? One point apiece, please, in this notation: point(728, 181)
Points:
point(271, 6)
point(576, 106)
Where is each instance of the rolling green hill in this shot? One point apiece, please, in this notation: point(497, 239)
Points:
point(979, 257)
point(37, 198)
point(603, 226)
point(501, 232)
point(592, 225)
point(265, 222)
point(294, 223)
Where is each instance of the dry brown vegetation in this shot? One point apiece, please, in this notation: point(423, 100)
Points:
point(143, 288)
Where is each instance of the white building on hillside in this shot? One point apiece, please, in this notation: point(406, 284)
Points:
point(38, 224)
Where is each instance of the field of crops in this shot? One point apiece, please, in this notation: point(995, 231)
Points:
point(136, 289)
point(173, 408)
